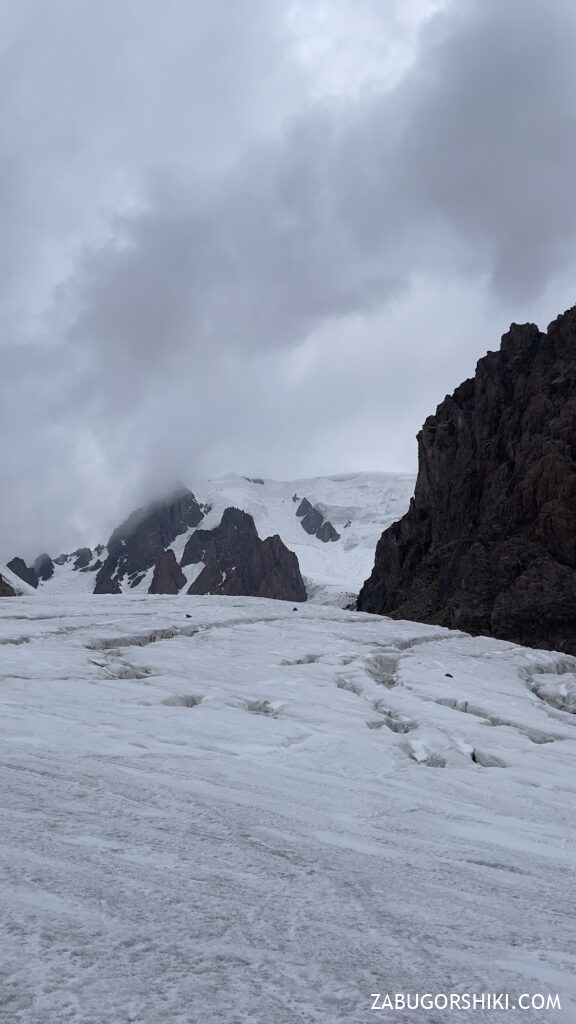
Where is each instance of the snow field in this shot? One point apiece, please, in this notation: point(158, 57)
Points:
point(253, 814)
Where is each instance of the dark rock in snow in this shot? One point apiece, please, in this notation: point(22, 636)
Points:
point(327, 532)
point(238, 563)
point(168, 577)
point(312, 521)
point(6, 589)
point(44, 567)
point(142, 538)
point(19, 567)
point(106, 581)
point(304, 507)
point(83, 557)
point(489, 542)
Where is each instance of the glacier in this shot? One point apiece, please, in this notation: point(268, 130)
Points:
point(226, 810)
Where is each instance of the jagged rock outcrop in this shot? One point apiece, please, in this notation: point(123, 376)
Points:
point(327, 533)
point(82, 558)
point(237, 563)
point(44, 567)
point(312, 520)
point(6, 589)
point(168, 577)
point(137, 544)
point(489, 542)
point(25, 572)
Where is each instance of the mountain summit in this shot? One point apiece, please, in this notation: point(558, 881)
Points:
point(242, 536)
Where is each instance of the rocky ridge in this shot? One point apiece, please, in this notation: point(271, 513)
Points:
point(230, 558)
point(238, 563)
point(312, 520)
point(141, 540)
point(357, 505)
point(488, 544)
point(6, 590)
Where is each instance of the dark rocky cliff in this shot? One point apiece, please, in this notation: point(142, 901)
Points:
point(168, 577)
point(489, 542)
point(25, 572)
point(237, 563)
point(6, 590)
point(140, 541)
point(44, 567)
point(312, 520)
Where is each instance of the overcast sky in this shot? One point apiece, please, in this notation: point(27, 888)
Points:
point(263, 236)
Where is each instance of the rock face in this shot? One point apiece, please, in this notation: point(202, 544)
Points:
point(6, 590)
point(237, 563)
point(326, 532)
point(489, 542)
point(168, 577)
point(312, 520)
point(82, 558)
point(140, 541)
point(19, 567)
point(44, 567)
point(304, 507)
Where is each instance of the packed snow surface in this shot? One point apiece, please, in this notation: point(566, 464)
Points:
point(255, 815)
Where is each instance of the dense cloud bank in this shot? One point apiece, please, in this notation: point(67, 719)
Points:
point(263, 237)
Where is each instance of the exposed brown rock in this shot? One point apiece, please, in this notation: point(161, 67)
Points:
point(489, 542)
point(238, 563)
point(168, 577)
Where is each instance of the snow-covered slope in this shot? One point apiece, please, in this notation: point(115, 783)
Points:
point(15, 582)
point(256, 814)
point(333, 571)
point(359, 505)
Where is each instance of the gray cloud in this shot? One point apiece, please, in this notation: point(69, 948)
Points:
point(224, 267)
